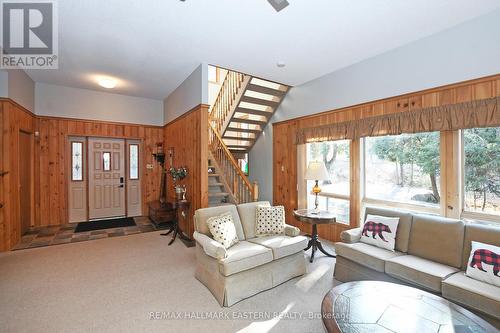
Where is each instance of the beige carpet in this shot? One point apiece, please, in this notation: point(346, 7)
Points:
point(115, 284)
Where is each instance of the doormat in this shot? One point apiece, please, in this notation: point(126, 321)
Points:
point(105, 224)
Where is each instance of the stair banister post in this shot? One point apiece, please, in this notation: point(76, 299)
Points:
point(255, 191)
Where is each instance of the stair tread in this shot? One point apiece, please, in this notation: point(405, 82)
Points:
point(265, 90)
point(244, 130)
point(218, 194)
point(258, 101)
point(213, 174)
point(249, 121)
point(254, 112)
point(230, 137)
point(215, 184)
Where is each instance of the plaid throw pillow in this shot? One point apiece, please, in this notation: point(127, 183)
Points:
point(484, 263)
point(380, 231)
point(270, 220)
point(222, 229)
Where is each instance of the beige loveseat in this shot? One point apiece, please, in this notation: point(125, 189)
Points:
point(252, 265)
point(431, 253)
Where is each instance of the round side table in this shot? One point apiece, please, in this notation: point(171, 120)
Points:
point(315, 217)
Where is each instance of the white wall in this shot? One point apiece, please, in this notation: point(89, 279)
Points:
point(18, 86)
point(60, 101)
point(470, 50)
point(190, 93)
point(4, 84)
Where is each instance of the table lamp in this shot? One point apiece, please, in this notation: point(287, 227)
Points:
point(316, 170)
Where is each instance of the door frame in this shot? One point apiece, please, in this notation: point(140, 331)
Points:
point(32, 178)
point(86, 174)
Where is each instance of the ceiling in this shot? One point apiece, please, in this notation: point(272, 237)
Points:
point(151, 46)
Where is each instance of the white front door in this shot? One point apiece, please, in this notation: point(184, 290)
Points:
point(106, 161)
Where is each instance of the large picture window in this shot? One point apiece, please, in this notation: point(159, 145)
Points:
point(335, 192)
point(403, 168)
point(481, 170)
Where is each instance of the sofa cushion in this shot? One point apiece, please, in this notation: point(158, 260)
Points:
point(484, 263)
point(281, 245)
point(404, 226)
point(244, 255)
point(222, 229)
point(248, 214)
point(366, 255)
point(202, 215)
point(420, 271)
point(487, 234)
point(270, 220)
point(474, 294)
point(438, 239)
point(380, 231)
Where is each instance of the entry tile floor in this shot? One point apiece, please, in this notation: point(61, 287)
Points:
point(64, 234)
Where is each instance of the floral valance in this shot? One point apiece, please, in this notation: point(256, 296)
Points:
point(479, 113)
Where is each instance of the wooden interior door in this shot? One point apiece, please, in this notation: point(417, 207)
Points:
point(25, 178)
point(106, 178)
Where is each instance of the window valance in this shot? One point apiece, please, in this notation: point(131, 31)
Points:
point(479, 113)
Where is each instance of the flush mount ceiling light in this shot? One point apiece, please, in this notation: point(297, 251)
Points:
point(281, 64)
point(107, 83)
point(278, 4)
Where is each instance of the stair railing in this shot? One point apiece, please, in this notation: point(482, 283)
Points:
point(242, 189)
point(223, 105)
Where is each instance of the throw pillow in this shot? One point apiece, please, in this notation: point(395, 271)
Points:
point(484, 263)
point(270, 220)
point(223, 230)
point(380, 231)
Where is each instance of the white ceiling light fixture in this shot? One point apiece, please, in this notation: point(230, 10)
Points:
point(107, 83)
point(280, 64)
point(278, 4)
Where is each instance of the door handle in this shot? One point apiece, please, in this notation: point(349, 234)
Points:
point(3, 173)
point(120, 186)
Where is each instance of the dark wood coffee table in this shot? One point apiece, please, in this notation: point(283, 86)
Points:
point(374, 306)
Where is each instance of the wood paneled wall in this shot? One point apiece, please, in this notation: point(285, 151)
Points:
point(188, 135)
point(15, 119)
point(52, 162)
point(51, 165)
point(285, 152)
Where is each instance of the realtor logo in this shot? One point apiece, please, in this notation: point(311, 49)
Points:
point(29, 35)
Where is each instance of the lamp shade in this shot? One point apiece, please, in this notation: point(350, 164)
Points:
point(316, 170)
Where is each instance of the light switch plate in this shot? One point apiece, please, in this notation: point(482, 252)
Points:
point(149, 166)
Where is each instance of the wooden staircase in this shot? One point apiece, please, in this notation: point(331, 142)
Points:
point(243, 108)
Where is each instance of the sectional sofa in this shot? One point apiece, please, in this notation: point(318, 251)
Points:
point(252, 265)
point(431, 253)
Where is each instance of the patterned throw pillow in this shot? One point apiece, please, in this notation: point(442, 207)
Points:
point(380, 231)
point(270, 220)
point(484, 263)
point(223, 230)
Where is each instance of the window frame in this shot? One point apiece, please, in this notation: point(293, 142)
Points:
point(465, 214)
point(82, 159)
point(104, 163)
point(130, 162)
point(392, 204)
point(302, 183)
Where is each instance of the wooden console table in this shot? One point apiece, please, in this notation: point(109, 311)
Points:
point(169, 214)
